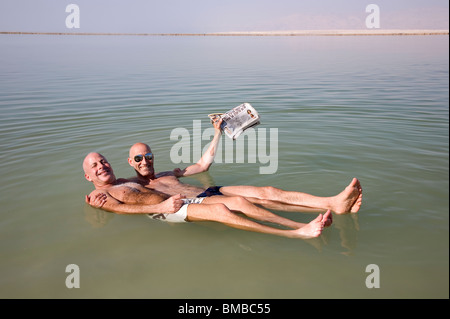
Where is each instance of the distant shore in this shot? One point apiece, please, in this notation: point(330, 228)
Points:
point(365, 32)
point(340, 32)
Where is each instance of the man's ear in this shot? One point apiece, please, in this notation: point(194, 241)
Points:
point(130, 161)
point(88, 177)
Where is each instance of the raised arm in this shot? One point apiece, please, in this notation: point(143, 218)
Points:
point(207, 158)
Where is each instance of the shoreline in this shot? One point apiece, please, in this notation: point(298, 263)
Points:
point(364, 32)
point(376, 32)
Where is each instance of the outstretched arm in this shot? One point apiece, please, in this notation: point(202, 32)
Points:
point(207, 158)
point(106, 202)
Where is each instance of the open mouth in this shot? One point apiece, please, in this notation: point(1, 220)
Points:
point(103, 172)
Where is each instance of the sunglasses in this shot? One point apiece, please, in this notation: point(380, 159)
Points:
point(148, 157)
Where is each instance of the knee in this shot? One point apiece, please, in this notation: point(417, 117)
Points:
point(270, 191)
point(220, 208)
point(221, 213)
point(240, 201)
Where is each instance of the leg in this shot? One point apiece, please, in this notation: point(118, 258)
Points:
point(272, 204)
point(349, 200)
point(220, 213)
point(242, 205)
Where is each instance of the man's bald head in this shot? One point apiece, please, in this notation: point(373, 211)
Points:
point(89, 158)
point(139, 148)
point(98, 170)
point(143, 165)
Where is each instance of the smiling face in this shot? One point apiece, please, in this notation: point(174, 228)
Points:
point(144, 167)
point(98, 170)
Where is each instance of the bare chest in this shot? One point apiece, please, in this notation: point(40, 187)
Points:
point(170, 185)
point(123, 192)
point(132, 193)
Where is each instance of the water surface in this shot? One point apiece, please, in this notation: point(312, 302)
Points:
point(371, 107)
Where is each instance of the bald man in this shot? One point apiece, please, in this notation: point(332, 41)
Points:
point(124, 197)
point(142, 159)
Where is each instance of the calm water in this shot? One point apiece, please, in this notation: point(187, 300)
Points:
point(371, 107)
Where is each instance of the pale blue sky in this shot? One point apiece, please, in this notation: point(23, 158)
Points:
point(198, 16)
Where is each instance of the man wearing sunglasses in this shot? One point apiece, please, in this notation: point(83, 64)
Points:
point(142, 160)
point(124, 197)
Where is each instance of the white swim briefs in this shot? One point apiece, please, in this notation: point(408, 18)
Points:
point(181, 214)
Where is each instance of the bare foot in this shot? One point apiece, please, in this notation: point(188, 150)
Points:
point(349, 200)
point(311, 230)
point(327, 219)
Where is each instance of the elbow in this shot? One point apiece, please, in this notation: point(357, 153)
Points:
point(204, 167)
point(199, 167)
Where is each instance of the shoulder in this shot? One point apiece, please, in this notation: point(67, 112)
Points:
point(99, 191)
point(162, 174)
point(111, 196)
point(126, 180)
point(131, 182)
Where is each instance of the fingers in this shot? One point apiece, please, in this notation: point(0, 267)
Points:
point(100, 196)
point(218, 123)
point(102, 200)
point(178, 172)
point(174, 203)
point(178, 202)
point(97, 200)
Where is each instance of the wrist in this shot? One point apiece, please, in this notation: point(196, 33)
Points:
point(154, 209)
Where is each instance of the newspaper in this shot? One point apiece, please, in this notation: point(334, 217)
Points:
point(237, 120)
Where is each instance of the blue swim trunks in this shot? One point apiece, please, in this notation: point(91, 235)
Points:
point(211, 191)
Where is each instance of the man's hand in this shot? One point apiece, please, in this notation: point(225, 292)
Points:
point(97, 200)
point(178, 172)
point(172, 204)
point(216, 122)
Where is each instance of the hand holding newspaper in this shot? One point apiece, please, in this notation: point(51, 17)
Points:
point(237, 120)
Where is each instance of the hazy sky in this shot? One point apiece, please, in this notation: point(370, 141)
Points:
point(198, 16)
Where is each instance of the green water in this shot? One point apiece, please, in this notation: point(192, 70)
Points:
point(375, 108)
